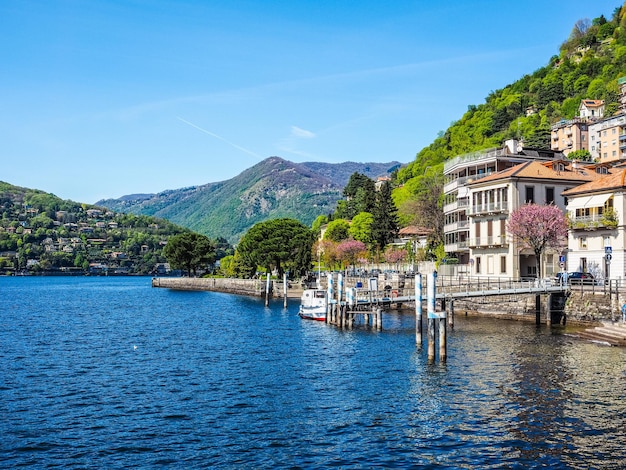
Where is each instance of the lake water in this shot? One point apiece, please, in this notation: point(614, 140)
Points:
point(111, 373)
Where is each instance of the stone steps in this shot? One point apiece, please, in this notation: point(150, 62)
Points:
point(611, 333)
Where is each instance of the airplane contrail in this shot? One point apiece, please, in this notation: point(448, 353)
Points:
point(238, 147)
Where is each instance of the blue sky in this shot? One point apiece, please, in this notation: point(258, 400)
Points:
point(106, 98)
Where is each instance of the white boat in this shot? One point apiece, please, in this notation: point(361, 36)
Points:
point(313, 304)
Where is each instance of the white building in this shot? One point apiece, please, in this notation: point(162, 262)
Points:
point(596, 212)
point(492, 249)
point(459, 172)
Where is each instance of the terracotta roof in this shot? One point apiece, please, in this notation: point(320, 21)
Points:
point(414, 230)
point(608, 182)
point(537, 170)
point(592, 103)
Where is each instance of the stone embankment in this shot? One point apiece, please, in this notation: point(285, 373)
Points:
point(251, 287)
point(613, 334)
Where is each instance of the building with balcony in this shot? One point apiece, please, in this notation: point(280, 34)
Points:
point(607, 139)
point(596, 212)
point(570, 135)
point(460, 172)
point(492, 250)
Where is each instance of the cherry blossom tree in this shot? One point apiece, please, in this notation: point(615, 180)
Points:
point(350, 250)
point(395, 255)
point(538, 227)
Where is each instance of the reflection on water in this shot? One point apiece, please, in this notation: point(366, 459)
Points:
point(112, 373)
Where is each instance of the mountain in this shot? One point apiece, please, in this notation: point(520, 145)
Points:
point(273, 188)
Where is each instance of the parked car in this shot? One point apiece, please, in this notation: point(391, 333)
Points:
point(576, 278)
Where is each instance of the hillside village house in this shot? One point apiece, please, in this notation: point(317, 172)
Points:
point(492, 249)
point(596, 211)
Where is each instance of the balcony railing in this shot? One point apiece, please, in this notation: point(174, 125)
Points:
point(455, 183)
point(590, 222)
point(498, 240)
point(454, 226)
point(459, 204)
point(491, 207)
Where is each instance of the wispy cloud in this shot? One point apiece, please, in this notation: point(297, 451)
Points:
point(232, 144)
point(302, 133)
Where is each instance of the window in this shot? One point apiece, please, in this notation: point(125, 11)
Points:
point(478, 265)
point(583, 265)
point(613, 131)
point(530, 195)
point(502, 264)
point(582, 243)
point(549, 195)
point(614, 153)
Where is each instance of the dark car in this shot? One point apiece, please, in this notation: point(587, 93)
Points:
point(576, 278)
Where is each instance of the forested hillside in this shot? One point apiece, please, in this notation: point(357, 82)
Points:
point(587, 67)
point(40, 232)
point(274, 188)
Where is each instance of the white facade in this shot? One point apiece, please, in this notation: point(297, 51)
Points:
point(493, 251)
point(460, 172)
point(596, 212)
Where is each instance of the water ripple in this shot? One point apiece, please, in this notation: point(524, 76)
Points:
point(111, 373)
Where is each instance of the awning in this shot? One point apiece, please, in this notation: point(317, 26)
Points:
point(585, 202)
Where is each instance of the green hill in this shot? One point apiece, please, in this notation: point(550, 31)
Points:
point(587, 67)
point(41, 233)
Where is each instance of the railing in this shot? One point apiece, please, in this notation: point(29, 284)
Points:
point(490, 207)
point(455, 183)
point(473, 156)
point(498, 240)
point(585, 222)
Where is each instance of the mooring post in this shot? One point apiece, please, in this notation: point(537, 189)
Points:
point(285, 286)
point(538, 309)
point(267, 291)
point(431, 339)
point(418, 309)
point(379, 319)
point(431, 293)
point(451, 313)
point(330, 296)
point(443, 340)
point(340, 310)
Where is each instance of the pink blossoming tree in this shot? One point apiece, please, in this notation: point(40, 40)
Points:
point(538, 227)
point(350, 250)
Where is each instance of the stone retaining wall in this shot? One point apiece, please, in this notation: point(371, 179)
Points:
point(251, 287)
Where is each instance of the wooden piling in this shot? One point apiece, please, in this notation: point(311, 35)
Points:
point(451, 313)
point(538, 309)
point(285, 286)
point(431, 339)
point(267, 291)
point(443, 340)
point(431, 291)
point(418, 309)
